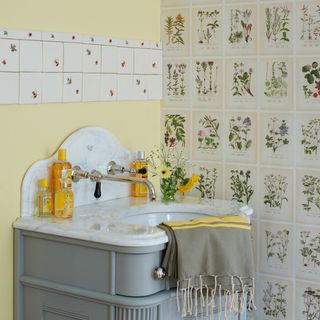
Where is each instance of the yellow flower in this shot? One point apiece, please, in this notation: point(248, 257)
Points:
point(191, 182)
point(164, 172)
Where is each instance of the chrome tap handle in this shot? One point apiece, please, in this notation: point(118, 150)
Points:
point(78, 173)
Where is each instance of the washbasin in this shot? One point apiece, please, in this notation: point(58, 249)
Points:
point(152, 219)
point(153, 214)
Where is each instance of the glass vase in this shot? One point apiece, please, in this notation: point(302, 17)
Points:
point(168, 188)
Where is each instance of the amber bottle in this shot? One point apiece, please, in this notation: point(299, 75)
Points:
point(58, 171)
point(138, 189)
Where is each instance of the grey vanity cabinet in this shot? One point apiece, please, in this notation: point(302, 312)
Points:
point(59, 278)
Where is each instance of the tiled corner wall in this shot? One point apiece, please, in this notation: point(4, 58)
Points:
point(241, 94)
point(44, 67)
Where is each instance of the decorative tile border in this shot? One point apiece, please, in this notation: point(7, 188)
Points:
point(53, 67)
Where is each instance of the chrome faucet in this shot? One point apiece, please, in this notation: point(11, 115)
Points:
point(112, 169)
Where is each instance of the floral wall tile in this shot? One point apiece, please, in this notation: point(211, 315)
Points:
point(241, 83)
point(30, 56)
point(91, 58)
point(175, 130)
point(72, 87)
point(175, 32)
point(210, 184)
point(307, 257)
point(52, 56)
point(308, 82)
point(9, 55)
point(206, 83)
point(277, 83)
point(9, 88)
point(140, 87)
point(307, 303)
point(241, 142)
point(207, 31)
point(52, 87)
point(308, 196)
point(125, 60)
point(147, 61)
point(176, 83)
point(308, 140)
point(308, 27)
point(277, 138)
point(276, 28)
point(207, 135)
point(276, 196)
point(240, 184)
point(275, 298)
point(241, 30)
point(109, 87)
point(30, 88)
point(276, 248)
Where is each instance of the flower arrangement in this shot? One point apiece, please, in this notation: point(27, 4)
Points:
point(170, 165)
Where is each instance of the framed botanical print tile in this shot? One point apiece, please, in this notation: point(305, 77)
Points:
point(276, 28)
point(277, 138)
point(175, 26)
point(276, 248)
point(207, 31)
point(276, 83)
point(207, 135)
point(240, 36)
point(241, 90)
point(276, 194)
point(308, 27)
point(206, 83)
point(241, 137)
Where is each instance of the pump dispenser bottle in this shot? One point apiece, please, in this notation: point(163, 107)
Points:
point(138, 189)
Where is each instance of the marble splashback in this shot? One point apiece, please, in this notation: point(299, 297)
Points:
point(90, 148)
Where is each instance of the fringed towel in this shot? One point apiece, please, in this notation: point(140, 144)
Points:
point(212, 260)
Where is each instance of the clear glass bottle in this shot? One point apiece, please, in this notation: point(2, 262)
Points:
point(63, 200)
point(138, 189)
point(43, 199)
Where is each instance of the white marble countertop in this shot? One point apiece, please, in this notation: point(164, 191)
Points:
point(105, 222)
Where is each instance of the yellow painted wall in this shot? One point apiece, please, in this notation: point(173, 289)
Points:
point(29, 133)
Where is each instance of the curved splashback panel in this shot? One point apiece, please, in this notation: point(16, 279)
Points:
point(90, 148)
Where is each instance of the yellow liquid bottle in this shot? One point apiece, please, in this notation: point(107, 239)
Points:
point(63, 201)
point(43, 199)
point(58, 170)
point(138, 189)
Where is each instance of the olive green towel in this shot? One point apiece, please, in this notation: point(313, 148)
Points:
point(210, 257)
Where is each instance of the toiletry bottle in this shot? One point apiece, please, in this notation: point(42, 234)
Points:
point(57, 171)
point(138, 189)
point(63, 200)
point(43, 199)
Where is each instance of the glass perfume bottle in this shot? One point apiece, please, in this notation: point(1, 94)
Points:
point(43, 199)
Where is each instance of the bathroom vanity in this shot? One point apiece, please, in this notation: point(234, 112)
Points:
point(100, 264)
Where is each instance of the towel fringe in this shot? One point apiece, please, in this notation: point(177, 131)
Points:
point(198, 296)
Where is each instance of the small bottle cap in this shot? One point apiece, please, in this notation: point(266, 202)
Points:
point(43, 183)
point(62, 154)
point(140, 155)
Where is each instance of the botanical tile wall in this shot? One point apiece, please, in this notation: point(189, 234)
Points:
point(241, 93)
point(54, 67)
